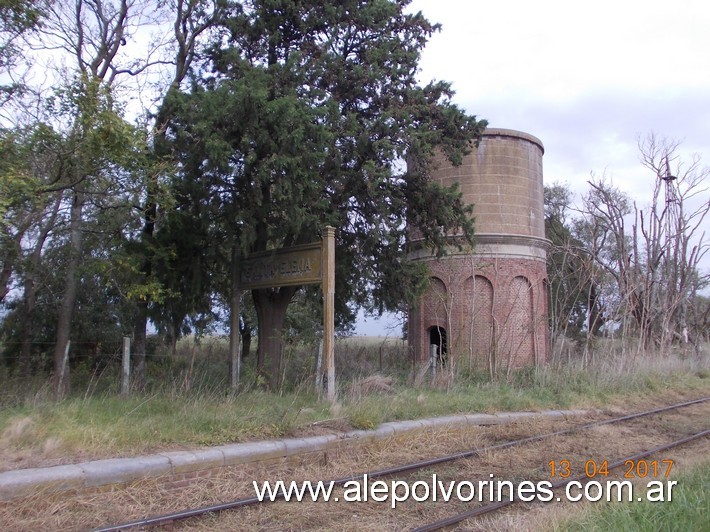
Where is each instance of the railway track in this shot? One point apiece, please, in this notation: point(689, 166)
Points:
point(413, 467)
point(443, 524)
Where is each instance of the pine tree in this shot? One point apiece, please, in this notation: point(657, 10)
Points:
point(303, 116)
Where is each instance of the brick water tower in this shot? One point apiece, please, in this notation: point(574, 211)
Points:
point(486, 307)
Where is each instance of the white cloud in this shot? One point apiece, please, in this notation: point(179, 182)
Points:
point(588, 79)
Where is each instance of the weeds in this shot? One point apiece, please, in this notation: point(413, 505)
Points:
point(374, 386)
point(689, 509)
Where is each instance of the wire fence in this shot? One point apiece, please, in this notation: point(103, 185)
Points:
point(204, 363)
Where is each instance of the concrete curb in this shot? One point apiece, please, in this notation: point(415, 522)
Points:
point(99, 473)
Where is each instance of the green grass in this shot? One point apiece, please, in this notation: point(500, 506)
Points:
point(144, 423)
point(689, 510)
point(207, 412)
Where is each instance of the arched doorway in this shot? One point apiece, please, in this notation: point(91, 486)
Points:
point(437, 341)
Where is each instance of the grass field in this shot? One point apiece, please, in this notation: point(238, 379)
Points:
point(688, 510)
point(189, 402)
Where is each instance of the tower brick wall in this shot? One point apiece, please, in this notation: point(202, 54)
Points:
point(489, 304)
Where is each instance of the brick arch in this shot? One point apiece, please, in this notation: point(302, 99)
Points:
point(435, 303)
point(519, 337)
point(477, 317)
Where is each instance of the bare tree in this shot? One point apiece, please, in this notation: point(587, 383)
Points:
point(672, 241)
point(652, 254)
point(604, 231)
point(575, 305)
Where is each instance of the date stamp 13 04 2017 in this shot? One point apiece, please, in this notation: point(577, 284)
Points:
point(632, 468)
point(594, 489)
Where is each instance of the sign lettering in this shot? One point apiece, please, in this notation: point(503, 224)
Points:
point(288, 267)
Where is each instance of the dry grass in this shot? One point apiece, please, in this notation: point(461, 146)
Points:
point(42, 433)
point(372, 385)
point(529, 462)
point(17, 431)
point(23, 441)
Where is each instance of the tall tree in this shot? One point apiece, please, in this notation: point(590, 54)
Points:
point(93, 33)
point(302, 118)
point(669, 242)
point(97, 141)
point(17, 19)
point(191, 20)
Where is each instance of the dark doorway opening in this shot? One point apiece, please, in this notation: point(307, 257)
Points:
point(437, 337)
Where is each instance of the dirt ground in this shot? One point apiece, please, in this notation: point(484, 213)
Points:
point(528, 462)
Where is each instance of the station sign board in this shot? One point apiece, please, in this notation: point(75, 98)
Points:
point(295, 266)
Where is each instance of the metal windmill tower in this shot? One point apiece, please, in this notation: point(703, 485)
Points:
point(670, 211)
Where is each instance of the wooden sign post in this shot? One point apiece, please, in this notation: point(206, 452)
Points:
point(295, 266)
point(329, 311)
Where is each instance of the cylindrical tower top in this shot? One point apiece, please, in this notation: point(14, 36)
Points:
point(502, 178)
point(513, 134)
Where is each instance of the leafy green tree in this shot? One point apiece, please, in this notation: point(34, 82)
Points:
point(102, 313)
point(98, 41)
point(191, 20)
point(17, 19)
point(302, 117)
point(96, 147)
point(93, 34)
point(186, 261)
point(30, 217)
point(38, 218)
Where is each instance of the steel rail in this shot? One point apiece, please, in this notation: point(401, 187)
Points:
point(414, 466)
point(492, 507)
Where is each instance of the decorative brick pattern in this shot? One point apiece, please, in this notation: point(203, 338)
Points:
point(492, 301)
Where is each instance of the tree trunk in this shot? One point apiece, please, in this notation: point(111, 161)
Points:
point(234, 312)
point(5, 276)
point(246, 343)
point(28, 305)
point(596, 318)
point(66, 310)
point(271, 306)
point(175, 332)
point(140, 323)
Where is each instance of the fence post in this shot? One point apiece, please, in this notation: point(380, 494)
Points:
point(126, 368)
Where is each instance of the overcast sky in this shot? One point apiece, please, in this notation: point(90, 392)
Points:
point(586, 78)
